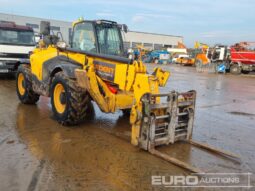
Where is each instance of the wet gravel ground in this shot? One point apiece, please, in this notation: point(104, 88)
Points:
point(36, 153)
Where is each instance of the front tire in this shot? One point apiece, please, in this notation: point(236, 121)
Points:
point(235, 69)
point(24, 85)
point(70, 103)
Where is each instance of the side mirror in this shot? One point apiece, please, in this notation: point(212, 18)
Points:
point(45, 28)
point(125, 28)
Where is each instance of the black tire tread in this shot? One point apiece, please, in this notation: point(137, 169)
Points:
point(78, 101)
point(30, 96)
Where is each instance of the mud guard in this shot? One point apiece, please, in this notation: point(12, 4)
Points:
point(60, 63)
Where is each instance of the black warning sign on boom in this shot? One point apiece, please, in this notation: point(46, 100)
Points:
point(105, 70)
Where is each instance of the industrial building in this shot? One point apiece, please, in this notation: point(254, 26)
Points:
point(151, 40)
point(132, 38)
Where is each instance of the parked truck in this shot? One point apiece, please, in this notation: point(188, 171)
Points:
point(218, 60)
point(16, 42)
point(242, 58)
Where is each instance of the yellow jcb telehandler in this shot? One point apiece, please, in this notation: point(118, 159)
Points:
point(94, 68)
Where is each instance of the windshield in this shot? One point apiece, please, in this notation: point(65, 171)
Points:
point(83, 37)
point(16, 37)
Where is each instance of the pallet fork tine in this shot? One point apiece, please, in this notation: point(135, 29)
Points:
point(179, 119)
point(175, 161)
point(215, 150)
point(187, 166)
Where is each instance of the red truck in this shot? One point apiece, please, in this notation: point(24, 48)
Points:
point(242, 58)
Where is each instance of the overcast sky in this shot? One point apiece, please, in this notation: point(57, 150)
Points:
point(212, 21)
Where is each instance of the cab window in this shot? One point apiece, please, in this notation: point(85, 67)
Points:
point(109, 40)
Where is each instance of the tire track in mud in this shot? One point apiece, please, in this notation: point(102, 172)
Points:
point(36, 176)
point(4, 139)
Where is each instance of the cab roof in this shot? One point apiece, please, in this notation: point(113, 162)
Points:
point(81, 20)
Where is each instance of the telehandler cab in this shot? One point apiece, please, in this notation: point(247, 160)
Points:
point(94, 68)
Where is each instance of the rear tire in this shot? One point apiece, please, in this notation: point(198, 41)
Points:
point(24, 87)
point(235, 69)
point(70, 103)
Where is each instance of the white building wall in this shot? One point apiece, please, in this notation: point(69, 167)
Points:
point(155, 39)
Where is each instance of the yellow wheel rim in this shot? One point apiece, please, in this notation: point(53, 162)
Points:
point(58, 91)
point(21, 81)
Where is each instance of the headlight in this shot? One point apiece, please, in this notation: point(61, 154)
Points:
point(61, 44)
